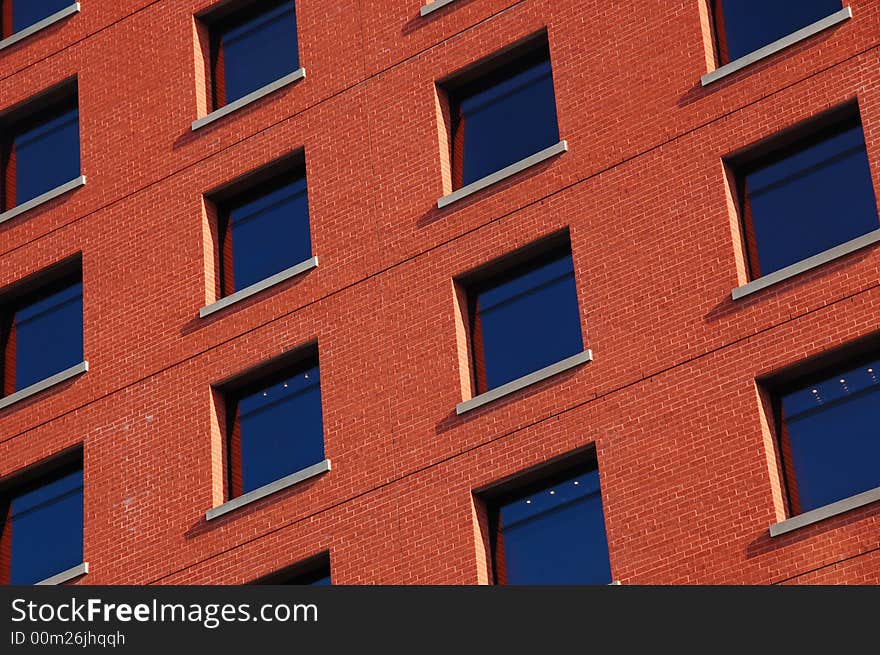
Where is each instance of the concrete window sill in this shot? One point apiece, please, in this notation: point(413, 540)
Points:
point(807, 264)
point(503, 174)
point(40, 25)
point(268, 489)
point(431, 7)
point(257, 287)
point(18, 210)
point(42, 385)
point(66, 576)
point(251, 97)
point(825, 512)
point(772, 48)
point(524, 381)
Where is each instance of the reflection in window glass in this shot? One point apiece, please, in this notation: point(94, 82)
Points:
point(792, 205)
point(830, 437)
point(42, 533)
point(743, 26)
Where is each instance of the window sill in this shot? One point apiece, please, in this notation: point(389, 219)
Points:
point(39, 25)
point(825, 512)
point(42, 385)
point(772, 48)
point(251, 97)
point(807, 264)
point(43, 198)
point(434, 6)
point(66, 576)
point(503, 174)
point(268, 489)
point(256, 288)
point(524, 381)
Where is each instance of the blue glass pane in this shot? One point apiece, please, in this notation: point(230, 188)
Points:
point(27, 12)
point(48, 336)
point(281, 429)
point(834, 432)
point(557, 535)
point(508, 121)
point(528, 322)
point(270, 234)
point(322, 582)
point(259, 51)
point(45, 530)
point(752, 24)
point(811, 200)
point(46, 156)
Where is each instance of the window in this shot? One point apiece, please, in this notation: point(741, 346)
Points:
point(827, 423)
point(314, 572)
point(42, 525)
point(42, 329)
point(16, 15)
point(523, 315)
point(274, 426)
point(263, 230)
point(252, 46)
point(800, 197)
point(40, 150)
point(743, 26)
point(501, 113)
point(550, 530)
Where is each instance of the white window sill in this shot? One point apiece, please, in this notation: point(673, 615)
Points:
point(772, 48)
point(257, 287)
point(524, 381)
point(66, 576)
point(503, 174)
point(807, 264)
point(251, 97)
point(40, 25)
point(434, 6)
point(825, 512)
point(268, 489)
point(18, 210)
point(42, 385)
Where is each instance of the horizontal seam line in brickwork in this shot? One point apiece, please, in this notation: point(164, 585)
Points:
point(829, 564)
point(500, 437)
point(368, 79)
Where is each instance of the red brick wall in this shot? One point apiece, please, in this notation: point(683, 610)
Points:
point(688, 467)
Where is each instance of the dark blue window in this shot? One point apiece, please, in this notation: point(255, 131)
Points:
point(524, 319)
point(19, 14)
point(276, 429)
point(806, 198)
point(42, 334)
point(40, 153)
point(830, 436)
point(253, 48)
point(502, 117)
point(264, 232)
point(43, 528)
point(552, 534)
point(314, 572)
point(743, 26)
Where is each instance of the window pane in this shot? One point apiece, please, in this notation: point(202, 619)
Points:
point(270, 233)
point(281, 429)
point(796, 200)
point(46, 156)
point(259, 51)
point(27, 12)
point(832, 428)
point(527, 322)
point(45, 530)
point(48, 336)
point(512, 118)
point(752, 24)
point(322, 582)
point(557, 535)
